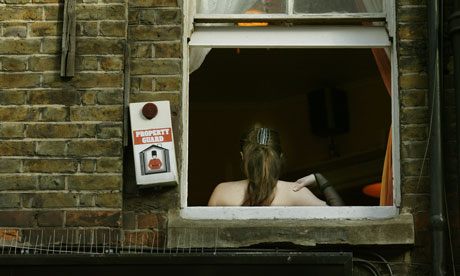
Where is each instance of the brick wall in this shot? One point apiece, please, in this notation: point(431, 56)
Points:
point(414, 113)
point(155, 37)
point(61, 139)
point(415, 116)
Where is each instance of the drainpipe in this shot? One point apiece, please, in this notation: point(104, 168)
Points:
point(437, 219)
point(454, 31)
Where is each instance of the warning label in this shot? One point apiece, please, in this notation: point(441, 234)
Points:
point(151, 136)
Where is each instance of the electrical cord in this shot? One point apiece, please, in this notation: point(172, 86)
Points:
point(384, 261)
point(381, 258)
point(368, 265)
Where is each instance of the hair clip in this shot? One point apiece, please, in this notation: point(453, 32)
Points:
point(263, 135)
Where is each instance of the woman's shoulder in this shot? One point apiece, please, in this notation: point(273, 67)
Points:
point(228, 193)
point(232, 184)
point(285, 185)
point(303, 197)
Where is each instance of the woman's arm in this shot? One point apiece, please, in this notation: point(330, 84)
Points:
point(331, 195)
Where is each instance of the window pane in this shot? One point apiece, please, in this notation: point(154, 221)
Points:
point(240, 6)
point(339, 6)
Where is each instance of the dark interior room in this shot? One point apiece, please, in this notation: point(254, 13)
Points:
point(330, 107)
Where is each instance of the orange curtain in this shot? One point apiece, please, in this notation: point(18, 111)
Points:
point(386, 190)
point(384, 65)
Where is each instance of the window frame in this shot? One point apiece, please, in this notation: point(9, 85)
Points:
point(288, 212)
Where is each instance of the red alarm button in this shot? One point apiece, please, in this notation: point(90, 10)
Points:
point(150, 110)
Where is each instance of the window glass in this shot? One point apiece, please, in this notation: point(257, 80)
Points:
point(240, 6)
point(338, 6)
point(281, 6)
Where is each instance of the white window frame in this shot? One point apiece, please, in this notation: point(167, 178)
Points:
point(288, 212)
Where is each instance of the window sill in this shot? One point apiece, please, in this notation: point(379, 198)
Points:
point(237, 232)
point(289, 212)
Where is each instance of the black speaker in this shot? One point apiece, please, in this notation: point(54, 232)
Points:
point(328, 112)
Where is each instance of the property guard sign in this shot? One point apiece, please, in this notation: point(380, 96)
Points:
point(153, 143)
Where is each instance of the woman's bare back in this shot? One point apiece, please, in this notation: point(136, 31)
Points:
point(233, 194)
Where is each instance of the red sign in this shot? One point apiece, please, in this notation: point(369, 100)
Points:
point(155, 164)
point(151, 136)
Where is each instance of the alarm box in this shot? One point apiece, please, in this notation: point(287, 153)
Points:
point(153, 143)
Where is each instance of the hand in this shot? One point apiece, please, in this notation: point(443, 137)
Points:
point(304, 182)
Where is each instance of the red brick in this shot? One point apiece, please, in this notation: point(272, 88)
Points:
point(150, 221)
point(50, 218)
point(146, 238)
point(93, 218)
point(129, 221)
point(44, 236)
point(106, 236)
point(422, 220)
point(9, 234)
point(17, 218)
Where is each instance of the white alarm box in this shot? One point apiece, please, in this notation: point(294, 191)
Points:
point(153, 143)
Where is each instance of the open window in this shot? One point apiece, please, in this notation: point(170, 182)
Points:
point(320, 72)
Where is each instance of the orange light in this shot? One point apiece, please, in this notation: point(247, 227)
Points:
point(372, 190)
point(253, 23)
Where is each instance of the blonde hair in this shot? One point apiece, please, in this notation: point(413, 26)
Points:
point(262, 165)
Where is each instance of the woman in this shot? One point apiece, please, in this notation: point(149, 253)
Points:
point(262, 160)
